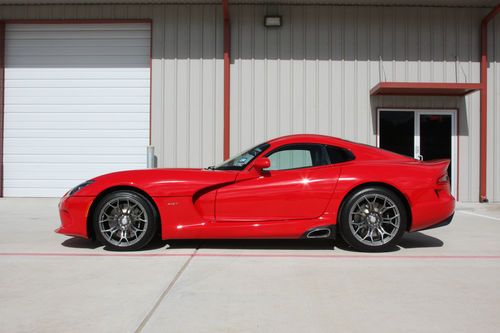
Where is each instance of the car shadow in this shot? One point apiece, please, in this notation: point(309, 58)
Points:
point(417, 239)
point(82, 243)
point(409, 241)
point(253, 244)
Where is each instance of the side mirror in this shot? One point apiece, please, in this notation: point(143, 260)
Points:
point(262, 163)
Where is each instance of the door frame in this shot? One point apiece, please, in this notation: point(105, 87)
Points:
point(416, 149)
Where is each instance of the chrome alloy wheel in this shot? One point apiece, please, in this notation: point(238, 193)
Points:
point(123, 221)
point(374, 219)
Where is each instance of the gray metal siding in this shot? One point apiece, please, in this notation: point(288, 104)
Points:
point(311, 75)
point(493, 186)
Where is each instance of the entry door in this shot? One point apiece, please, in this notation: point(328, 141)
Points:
point(423, 134)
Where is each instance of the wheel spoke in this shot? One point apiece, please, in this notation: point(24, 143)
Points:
point(113, 232)
point(360, 228)
point(387, 208)
point(108, 219)
point(382, 232)
point(112, 229)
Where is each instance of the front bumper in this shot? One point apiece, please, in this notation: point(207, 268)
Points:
point(73, 212)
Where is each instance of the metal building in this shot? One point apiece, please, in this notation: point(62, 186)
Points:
point(87, 86)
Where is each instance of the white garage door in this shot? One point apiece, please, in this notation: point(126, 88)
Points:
point(76, 104)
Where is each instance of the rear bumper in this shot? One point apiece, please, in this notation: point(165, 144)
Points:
point(73, 212)
point(432, 210)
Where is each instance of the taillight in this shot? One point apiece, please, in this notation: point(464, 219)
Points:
point(444, 179)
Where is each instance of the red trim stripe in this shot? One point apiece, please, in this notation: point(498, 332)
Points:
point(227, 81)
point(253, 255)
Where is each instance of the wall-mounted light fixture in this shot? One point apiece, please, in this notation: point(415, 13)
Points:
point(272, 21)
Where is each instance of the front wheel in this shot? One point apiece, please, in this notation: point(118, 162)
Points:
point(373, 219)
point(124, 220)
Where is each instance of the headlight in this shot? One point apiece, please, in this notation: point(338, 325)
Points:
point(79, 187)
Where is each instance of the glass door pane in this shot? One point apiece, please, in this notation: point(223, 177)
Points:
point(436, 137)
point(397, 132)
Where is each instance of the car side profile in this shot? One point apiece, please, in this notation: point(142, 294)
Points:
point(292, 187)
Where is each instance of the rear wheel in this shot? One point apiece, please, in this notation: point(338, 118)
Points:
point(373, 219)
point(124, 220)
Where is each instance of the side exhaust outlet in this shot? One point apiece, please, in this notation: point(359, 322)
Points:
point(319, 233)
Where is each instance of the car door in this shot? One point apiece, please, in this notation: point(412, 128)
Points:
point(298, 185)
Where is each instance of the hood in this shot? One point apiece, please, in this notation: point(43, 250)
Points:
point(161, 182)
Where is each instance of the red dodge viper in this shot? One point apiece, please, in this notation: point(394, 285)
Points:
point(298, 186)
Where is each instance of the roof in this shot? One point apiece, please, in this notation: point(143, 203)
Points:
point(431, 3)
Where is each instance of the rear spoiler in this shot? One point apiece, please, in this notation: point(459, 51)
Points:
point(440, 166)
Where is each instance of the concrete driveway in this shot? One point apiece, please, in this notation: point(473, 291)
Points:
point(441, 280)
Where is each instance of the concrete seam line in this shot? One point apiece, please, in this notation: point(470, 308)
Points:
point(165, 292)
point(479, 215)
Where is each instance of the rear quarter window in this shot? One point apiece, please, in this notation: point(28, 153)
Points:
point(339, 155)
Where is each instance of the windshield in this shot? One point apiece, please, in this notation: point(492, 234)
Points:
point(241, 161)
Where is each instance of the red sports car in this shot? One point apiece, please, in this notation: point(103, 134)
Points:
point(298, 186)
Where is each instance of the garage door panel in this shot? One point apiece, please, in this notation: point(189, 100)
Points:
point(88, 92)
point(66, 158)
point(63, 184)
point(86, 170)
point(51, 179)
point(79, 50)
point(83, 33)
point(54, 125)
point(69, 108)
point(102, 100)
point(63, 117)
point(50, 175)
point(77, 133)
point(75, 143)
point(68, 83)
point(76, 104)
point(35, 192)
point(18, 73)
point(101, 27)
point(80, 43)
point(81, 61)
point(58, 150)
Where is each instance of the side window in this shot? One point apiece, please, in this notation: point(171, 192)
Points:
point(339, 155)
point(297, 156)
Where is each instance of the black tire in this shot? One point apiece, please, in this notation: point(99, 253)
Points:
point(359, 219)
point(138, 221)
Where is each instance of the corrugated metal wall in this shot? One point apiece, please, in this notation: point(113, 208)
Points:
point(493, 186)
point(311, 75)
